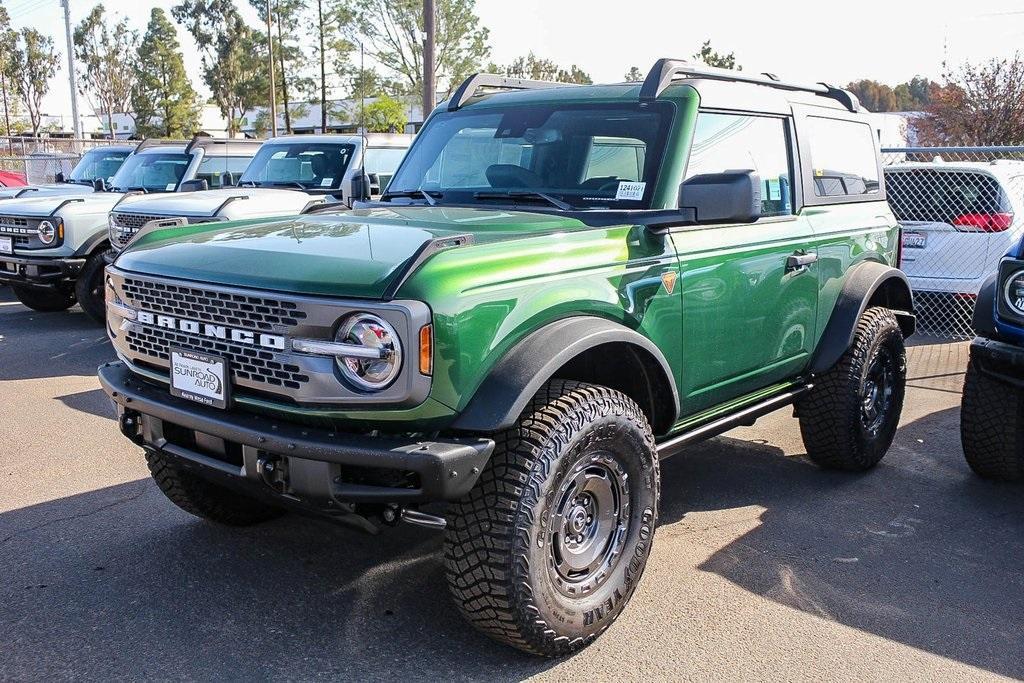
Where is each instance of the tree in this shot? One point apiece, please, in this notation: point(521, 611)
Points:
point(634, 75)
point(33, 64)
point(712, 58)
point(873, 95)
point(8, 44)
point(538, 69)
point(913, 95)
point(979, 104)
point(163, 99)
point(233, 56)
point(109, 58)
point(290, 60)
point(327, 26)
point(390, 32)
point(385, 115)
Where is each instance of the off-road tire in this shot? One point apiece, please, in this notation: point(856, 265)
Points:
point(992, 426)
point(44, 300)
point(831, 414)
point(499, 545)
point(90, 288)
point(204, 499)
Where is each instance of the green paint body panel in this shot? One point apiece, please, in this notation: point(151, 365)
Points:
point(735, 326)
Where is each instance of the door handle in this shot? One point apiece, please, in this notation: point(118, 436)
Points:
point(800, 262)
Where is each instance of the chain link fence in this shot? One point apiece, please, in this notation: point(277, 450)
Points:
point(961, 209)
point(36, 161)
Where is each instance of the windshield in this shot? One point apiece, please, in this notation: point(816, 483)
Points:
point(312, 166)
point(589, 156)
point(159, 172)
point(97, 163)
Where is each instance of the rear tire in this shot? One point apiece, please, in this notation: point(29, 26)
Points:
point(89, 288)
point(204, 499)
point(848, 420)
point(546, 550)
point(992, 426)
point(44, 300)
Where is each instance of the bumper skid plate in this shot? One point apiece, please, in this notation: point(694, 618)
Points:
point(235, 448)
point(38, 272)
point(999, 360)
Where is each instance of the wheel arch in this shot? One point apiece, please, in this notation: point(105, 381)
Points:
point(94, 244)
point(869, 283)
point(582, 348)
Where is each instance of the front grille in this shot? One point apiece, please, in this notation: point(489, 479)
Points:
point(255, 365)
point(12, 222)
point(205, 305)
point(125, 225)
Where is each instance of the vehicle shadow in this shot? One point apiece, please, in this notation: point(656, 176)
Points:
point(918, 551)
point(93, 402)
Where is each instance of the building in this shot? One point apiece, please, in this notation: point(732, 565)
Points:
point(343, 116)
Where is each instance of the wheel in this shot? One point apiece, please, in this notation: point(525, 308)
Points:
point(546, 550)
point(89, 288)
point(848, 420)
point(992, 426)
point(204, 499)
point(44, 300)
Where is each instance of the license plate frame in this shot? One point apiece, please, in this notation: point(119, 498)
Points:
point(915, 240)
point(7, 246)
point(195, 376)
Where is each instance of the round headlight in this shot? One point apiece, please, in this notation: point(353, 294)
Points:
point(1013, 292)
point(371, 333)
point(47, 233)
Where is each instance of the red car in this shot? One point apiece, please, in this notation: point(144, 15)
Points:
point(12, 179)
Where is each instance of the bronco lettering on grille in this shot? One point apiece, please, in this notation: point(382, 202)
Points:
point(268, 341)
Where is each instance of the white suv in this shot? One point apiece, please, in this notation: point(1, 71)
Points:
point(52, 248)
point(99, 163)
point(286, 176)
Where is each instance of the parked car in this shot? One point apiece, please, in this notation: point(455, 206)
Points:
point(992, 410)
point(287, 175)
point(560, 285)
point(958, 220)
point(99, 163)
point(52, 248)
point(12, 179)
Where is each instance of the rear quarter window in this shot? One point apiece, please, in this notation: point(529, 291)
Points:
point(843, 160)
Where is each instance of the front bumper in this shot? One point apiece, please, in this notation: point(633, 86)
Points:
point(39, 272)
point(1002, 361)
point(314, 468)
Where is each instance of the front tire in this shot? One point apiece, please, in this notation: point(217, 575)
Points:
point(44, 300)
point(992, 426)
point(546, 550)
point(848, 420)
point(89, 288)
point(204, 499)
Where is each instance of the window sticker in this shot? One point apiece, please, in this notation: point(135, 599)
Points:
point(171, 186)
point(630, 190)
point(774, 189)
point(326, 182)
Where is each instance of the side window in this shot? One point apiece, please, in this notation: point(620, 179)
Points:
point(211, 169)
point(732, 142)
point(843, 159)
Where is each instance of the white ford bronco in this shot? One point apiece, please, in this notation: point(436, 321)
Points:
point(287, 175)
point(52, 247)
point(99, 163)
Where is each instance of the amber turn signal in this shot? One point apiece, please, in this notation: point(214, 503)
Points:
point(427, 349)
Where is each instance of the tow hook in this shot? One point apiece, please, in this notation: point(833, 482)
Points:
point(131, 425)
point(274, 472)
point(392, 514)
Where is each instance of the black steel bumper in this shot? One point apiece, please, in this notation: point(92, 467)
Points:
point(38, 272)
point(999, 360)
point(317, 468)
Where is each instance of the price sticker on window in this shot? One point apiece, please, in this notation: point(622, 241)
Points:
point(630, 190)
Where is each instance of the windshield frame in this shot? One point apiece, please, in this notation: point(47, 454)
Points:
point(267, 151)
point(656, 153)
point(116, 187)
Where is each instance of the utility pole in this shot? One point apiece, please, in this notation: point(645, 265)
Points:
point(323, 68)
point(429, 31)
point(71, 70)
point(270, 63)
point(7, 114)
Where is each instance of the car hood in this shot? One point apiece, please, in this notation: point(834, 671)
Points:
point(353, 254)
point(57, 189)
point(207, 202)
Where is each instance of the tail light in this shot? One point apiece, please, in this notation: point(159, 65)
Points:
point(983, 222)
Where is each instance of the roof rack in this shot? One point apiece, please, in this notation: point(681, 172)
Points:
point(156, 142)
point(665, 70)
point(200, 141)
point(479, 81)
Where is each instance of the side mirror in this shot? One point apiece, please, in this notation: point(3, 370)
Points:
point(729, 197)
point(98, 185)
point(58, 177)
point(374, 181)
point(196, 185)
point(227, 179)
point(361, 188)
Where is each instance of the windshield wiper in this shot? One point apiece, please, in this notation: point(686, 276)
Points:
point(248, 183)
point(287, 183)
point(525, 194)
point(428, 195)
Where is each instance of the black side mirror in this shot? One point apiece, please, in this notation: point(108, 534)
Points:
point(361, 188)
point(58, 177)
point(729, 197)
point(98, 185)
point(196, 185)
point(227, 179)
point(374, 181)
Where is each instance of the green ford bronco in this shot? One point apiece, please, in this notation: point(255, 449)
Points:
point(560, 286)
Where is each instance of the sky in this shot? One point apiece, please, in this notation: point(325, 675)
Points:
point(799, 40)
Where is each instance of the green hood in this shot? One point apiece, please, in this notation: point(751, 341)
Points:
point(355, 254)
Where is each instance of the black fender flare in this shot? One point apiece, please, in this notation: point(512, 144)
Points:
point(520, 374)
point(89, 246)
point(862, 283)
point(983, 319)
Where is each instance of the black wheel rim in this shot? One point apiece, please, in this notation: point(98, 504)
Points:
point(587, 524)
point(877, 392)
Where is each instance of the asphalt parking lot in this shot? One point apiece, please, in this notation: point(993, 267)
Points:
point(764, 567)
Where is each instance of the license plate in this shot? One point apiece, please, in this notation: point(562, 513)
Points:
point(6, 245)
point(200, 377)
point(914, 240)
